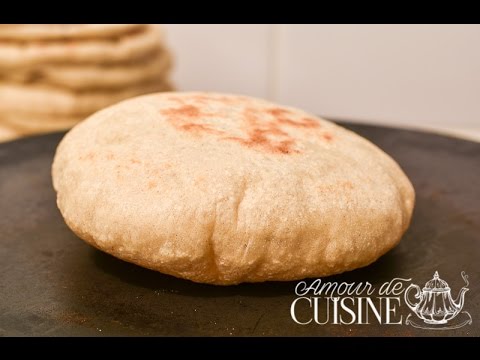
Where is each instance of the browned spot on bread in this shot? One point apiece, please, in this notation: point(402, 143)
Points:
point(348, 185)
point(281, 117)
point(269, 137)
point(181, 117)
point(304, 123)
point(135, 161)
point(327, 136)
point(151, 184)
point(285, 147)
point(88, 156)
point(259, 141)
point(275, 130)
point(183, 111)
point(278, 112)
point(199, 128)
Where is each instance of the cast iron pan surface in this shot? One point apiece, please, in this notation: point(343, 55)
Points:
point(52, 283)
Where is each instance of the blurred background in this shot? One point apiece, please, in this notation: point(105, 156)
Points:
point(420, 76)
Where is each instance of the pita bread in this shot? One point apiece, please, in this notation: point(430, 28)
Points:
point(7, 133)
point(64, 31)
point(126, 48)
point(91, 76)
point(26, 124)
point(224, 189)
point(45, 100)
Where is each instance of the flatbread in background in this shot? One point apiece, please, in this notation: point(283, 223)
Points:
point(7, 133)
point(224, 189)
point(22, 32)
point(93, 76)
point(27, 124)
point(126, 48)
point(54, 101)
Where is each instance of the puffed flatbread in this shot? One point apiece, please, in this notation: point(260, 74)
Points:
point(224, 189)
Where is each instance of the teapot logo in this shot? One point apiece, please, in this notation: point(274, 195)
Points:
point(436, 307)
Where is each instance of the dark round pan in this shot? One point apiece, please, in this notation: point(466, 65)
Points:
point(52, 283)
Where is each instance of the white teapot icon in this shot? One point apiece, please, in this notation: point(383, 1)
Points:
point(435, 305)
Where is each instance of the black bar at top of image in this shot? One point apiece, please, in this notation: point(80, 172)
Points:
point(235, 12)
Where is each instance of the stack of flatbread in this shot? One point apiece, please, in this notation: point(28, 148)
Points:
point(53, 76)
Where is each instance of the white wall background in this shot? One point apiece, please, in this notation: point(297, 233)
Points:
point(410, 75)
